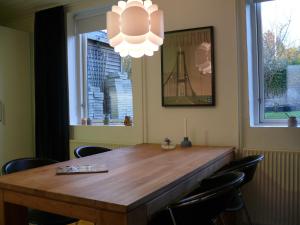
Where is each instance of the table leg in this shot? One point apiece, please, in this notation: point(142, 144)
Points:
point(15, 214)
point(134, 217)
point(109, 218)
point(11, 214)
point(2, 213)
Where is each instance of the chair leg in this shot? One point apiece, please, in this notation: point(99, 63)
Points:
point(247, 214)
point(245, 208)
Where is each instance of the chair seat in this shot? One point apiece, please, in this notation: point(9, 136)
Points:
point(207, 202)
point(44, 218)
point(248, 166)
point(83, 151)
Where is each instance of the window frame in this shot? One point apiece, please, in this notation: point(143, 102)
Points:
point(255, 66)
point(77, 28)
point(81, 52)
point(126, 135)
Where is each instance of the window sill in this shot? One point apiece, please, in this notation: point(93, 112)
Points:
point(273, 125)
point(99, 125)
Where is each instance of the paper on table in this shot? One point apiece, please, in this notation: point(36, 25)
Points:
point(80, 169)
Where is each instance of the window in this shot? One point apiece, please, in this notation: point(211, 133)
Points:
point(107, 95)
point(100, 81)
point(274, 44)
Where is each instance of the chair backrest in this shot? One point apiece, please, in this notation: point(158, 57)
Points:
point(25, 164)
point(246, 165)
point(207, 201)
point(83, 151)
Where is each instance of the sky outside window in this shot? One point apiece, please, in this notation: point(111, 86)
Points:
point(280, 12)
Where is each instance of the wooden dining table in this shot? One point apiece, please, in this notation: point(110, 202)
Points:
point(141, 180)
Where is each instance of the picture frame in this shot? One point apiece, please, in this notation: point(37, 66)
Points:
point(187, 68)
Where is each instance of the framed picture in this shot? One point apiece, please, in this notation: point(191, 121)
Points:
point(188, 72)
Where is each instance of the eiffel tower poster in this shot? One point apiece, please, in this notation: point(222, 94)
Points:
point(188, 68)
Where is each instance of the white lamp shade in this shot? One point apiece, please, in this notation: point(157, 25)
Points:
point(135, 21)
point(157, 26)
point(135, 28)
point(112, 18)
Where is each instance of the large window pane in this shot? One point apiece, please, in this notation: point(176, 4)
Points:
point(109, 86)
point(280, 22)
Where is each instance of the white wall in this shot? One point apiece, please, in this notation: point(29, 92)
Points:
point(16, 133)
point(25, 23)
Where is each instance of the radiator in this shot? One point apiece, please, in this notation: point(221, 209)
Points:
point(273, 196)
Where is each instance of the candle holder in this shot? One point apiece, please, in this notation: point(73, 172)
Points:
point(186, 143)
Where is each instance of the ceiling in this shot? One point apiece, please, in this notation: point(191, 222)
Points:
point(11, 9)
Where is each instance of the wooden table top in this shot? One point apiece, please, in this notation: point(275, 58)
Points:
point(136, 175)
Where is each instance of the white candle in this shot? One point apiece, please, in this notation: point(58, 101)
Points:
point(185, 127)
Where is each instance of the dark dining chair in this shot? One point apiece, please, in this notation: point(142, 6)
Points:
point(83, 151)
point(36, 217)
point(248, 166)
point(203, 205)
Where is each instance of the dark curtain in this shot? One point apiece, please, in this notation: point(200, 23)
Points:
point(51, 85)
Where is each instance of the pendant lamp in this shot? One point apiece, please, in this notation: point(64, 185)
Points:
point(135, 28)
